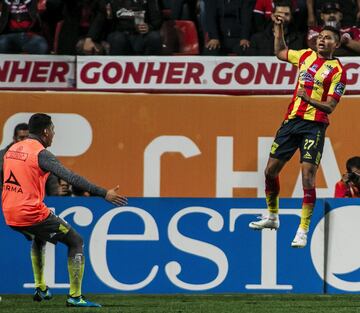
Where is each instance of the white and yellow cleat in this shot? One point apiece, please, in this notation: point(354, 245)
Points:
point(300, 239)
point(270, 222)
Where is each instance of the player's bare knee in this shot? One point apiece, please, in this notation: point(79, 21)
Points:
point(308, 176)
point(270, 173)
point(308, 180)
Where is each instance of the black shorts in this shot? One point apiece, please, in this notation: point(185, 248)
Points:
point(52, 229)
point(308, 136)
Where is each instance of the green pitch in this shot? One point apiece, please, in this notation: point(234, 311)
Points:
point(190, 304)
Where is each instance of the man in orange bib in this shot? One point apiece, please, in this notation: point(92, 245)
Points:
point(27, 165)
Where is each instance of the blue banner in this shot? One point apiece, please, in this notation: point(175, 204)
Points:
point(341, 245)
point(185, 245)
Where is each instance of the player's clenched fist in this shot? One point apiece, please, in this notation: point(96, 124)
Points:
point(301, 93)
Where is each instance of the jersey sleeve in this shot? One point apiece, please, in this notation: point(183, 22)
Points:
point(259, 7)
point(294, 56)
point(338, 84)
point(340, 190)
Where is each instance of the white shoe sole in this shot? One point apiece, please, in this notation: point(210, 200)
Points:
point(298, 246)
point(255, 226)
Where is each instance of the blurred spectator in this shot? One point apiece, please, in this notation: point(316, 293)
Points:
point(21, 132)
point(184, 9)
point(166, 4)
point(228, 24)
point(263, 10)
point(331, 15)
point(52, 185)
point(133, 27)
point(51, 12)
point(78, 15)
point(349, 185)
point(76, 192)
point(64, 188)
point(301, 16)
point(20, 28)
point(262, 43)
point(350, 9)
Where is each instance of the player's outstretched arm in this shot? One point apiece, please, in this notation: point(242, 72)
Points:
point(280, 48)
point(49, 163)
point(113, 197)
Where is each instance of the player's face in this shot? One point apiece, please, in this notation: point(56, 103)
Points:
point(49, 135)
point(326, 43)
point(332, 16)
point(21, 135)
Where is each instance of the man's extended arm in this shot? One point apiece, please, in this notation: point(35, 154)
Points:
point(49, 163)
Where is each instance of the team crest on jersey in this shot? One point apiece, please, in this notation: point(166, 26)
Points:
point(314, 68)
point(339, 89)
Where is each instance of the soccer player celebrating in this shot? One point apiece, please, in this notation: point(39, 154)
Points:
point(27, 165)
point(320, 85)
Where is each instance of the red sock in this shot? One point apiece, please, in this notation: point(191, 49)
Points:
point(307, 208)
point(309, 196)
point(272, 189)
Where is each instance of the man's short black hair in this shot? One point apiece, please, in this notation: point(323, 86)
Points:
point(21, 126)
point(38, 122)
point(353, 162)
point(283, 3)
point(333, 30)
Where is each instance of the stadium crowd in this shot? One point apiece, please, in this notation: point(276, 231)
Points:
point(163, 27)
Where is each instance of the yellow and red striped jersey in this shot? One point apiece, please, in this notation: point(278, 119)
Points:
point(320, 78)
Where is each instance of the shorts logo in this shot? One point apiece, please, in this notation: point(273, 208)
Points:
point(63, 229)
point(307, 156)
point(274, 146)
